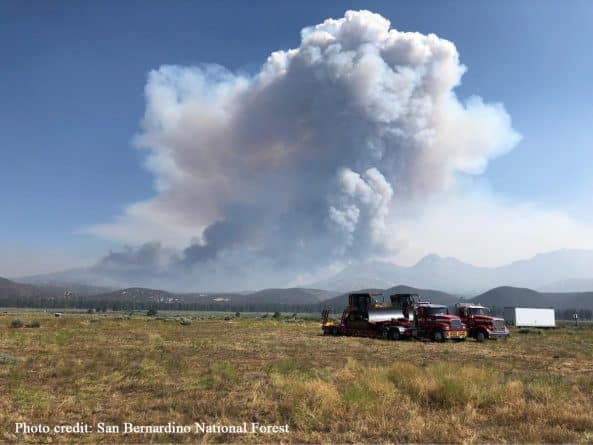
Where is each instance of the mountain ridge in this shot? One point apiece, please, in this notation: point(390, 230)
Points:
point(455, 276)
point(289, 298)
point(570, 269)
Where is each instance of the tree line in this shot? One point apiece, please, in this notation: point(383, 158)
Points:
point(103, 305)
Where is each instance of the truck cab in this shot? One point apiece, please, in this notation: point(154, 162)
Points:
point(480, 324)
point(434, 321)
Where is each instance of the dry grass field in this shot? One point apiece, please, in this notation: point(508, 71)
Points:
point(89, 368)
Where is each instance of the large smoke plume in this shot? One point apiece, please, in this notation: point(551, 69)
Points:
point(303, 163)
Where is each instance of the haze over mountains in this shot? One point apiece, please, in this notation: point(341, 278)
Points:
point(558, 271)
point(562, 270)
point(9, 288)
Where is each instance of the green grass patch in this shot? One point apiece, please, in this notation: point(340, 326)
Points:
point(30, 398)
point(220, 375)
point(284, 366)
point(358, 396)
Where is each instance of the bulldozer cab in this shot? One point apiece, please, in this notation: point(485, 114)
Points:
point(355, 319)
point(360, 301)
point(356, 315)
point(404, 302)
point(401, 300)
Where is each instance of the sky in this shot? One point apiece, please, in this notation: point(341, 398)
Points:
point(73, 162)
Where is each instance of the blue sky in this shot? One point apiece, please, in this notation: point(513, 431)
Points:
point(71, 98)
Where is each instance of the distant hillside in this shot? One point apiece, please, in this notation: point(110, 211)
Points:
point(9, 289)
point(367, 275)
point(77, 288)
point(291, 299)
point(289, 296)
point(139, 294)
point(222, 300)
point(513, 296)
point(571, 285)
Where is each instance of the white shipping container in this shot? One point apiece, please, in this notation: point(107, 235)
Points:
point(530, 317)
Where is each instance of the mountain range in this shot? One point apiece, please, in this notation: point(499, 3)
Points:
point(567, 270)
point(558, 271)
point(9, 288)
point(297, 299)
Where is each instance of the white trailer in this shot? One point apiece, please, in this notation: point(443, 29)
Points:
point(530, 317)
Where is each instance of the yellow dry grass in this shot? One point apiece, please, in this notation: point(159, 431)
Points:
point(531, 388)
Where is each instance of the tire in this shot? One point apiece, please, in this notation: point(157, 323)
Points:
point(385, 334)
point(394, 334)
point(437, 335)
point(480, 336)
point(335, 331)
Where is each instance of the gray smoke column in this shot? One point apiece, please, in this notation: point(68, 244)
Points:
point(304, 161)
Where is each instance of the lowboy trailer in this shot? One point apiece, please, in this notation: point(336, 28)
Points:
point(406, 317)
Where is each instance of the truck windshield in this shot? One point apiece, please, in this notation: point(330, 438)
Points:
point(436, 310)
point(478, 311)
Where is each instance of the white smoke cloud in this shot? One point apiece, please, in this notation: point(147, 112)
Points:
point(303, 163)
point(369, 196)
point(472, 223)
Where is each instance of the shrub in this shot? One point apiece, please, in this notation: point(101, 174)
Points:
point(152, 312)
point(33, 324)
point(276, 315)
point(185, 321)
point(16, 323)
point(7, 359)
point(237, 314)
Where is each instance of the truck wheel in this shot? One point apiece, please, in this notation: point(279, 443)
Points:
point(437, 335)
point(334, 331)
point(480, 336)
point(394, 334)
point(385, 334)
